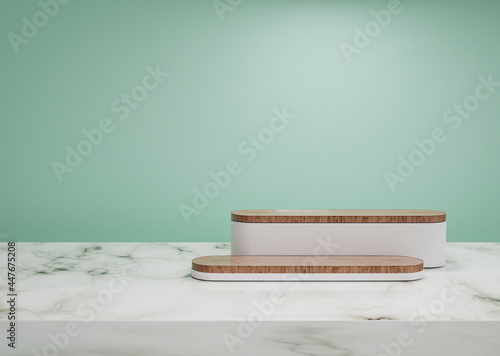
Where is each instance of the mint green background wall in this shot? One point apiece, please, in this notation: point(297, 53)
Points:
point(352, 120)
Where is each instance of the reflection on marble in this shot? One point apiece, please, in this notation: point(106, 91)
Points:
point(148, 286)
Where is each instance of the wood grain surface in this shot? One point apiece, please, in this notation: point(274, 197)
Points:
point(339, 216)
point(307, 264)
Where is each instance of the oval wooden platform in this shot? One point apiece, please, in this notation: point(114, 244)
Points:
point(307, 264)
point(339, 216)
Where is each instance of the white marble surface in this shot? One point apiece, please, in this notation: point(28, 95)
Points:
point(139, 299)
point(151, 282)
point(360, 338)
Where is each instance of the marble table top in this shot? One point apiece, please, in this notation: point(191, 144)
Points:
point(152, 282)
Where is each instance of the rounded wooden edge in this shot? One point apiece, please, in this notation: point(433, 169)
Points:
point(339, 216)
point(302, 264)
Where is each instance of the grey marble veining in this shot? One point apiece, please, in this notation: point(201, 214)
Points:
point(141, 295)
point(54, 279)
